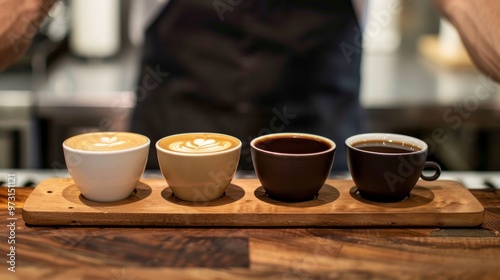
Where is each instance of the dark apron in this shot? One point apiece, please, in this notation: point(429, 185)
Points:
point(256, 68)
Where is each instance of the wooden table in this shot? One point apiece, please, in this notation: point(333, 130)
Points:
point(241, 253)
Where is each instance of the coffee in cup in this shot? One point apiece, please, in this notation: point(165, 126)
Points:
point(106, 166)
point(198, 166)
point(292, 166)
point(386, 167)
point(106, 141)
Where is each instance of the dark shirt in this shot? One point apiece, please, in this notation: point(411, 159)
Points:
point(248, 68)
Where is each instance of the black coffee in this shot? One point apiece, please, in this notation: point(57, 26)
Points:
point(293, 145)
point(393, 147)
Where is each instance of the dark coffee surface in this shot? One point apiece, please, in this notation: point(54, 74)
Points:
point(289, 145)
point(393, 147)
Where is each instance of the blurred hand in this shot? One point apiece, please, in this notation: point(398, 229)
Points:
point(19, 21)
point(478, 23)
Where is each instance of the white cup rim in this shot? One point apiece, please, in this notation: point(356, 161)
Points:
point(126, 150)
point(333, 146)
point(386, 136)
point(157, 145)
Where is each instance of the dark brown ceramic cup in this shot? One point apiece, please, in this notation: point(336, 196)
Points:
point(386, 167)
point(292, 166)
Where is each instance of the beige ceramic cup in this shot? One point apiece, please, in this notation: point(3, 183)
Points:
point(198, 166)
point(106, 166)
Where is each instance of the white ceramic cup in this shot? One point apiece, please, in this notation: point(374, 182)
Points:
point(107, 169)
point(198, 166)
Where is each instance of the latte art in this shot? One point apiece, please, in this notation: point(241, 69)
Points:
point(200, 145)
point(106, 141)
point(109, 142)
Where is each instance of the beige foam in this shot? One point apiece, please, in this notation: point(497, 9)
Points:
point(106, 141)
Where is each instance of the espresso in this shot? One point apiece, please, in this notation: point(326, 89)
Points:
point(106, 141)
point(387, 147)
point(292, 145)
point(198, 143)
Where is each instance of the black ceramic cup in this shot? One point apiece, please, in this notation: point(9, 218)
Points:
point(292, 166)
point(386, 167)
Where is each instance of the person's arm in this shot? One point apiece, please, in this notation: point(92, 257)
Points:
point(19, 20)
point(478, 23)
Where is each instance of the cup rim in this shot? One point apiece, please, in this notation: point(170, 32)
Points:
point(148, 142)
point(333, 146)
point(384, 136)
point(158, 148)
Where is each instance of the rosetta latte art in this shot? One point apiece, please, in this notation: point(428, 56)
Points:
point(200, 145)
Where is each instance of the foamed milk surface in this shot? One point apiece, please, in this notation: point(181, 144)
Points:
point(198, 144)
point(106, 141)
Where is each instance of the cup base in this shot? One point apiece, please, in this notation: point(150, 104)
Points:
point(381, 198)
point(291, 199)
point(108, 199)
point(199, 200)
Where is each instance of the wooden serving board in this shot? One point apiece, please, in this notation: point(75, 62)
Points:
point(57, 201)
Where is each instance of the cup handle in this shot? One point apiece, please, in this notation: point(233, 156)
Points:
point(432, 165)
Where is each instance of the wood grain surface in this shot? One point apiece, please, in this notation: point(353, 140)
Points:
point(133, 253)
point(57, 201)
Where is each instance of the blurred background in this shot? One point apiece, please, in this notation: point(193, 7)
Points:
point(417, 80)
